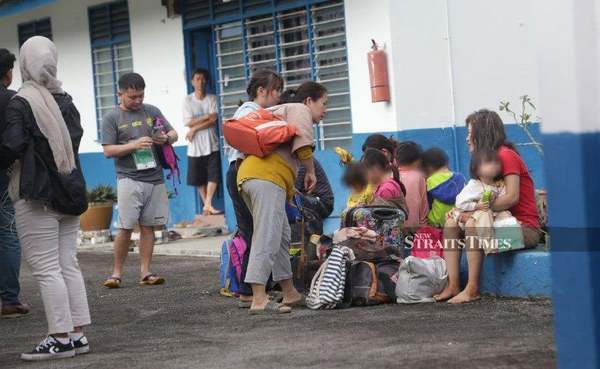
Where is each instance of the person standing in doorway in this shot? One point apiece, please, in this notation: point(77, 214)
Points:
point(204, 161)
point(10, 249)
point(128, 137)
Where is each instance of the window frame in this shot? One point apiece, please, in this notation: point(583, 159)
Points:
point(37, 24)
point(341, 113)
point(111, 44)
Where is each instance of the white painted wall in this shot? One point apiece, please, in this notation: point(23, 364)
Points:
point(69, 21)
point(569, 55)
point(158, 55)
point(157, 46)
point(446, 59)
point(493, 53)
point(364, 22)
point(422, 68)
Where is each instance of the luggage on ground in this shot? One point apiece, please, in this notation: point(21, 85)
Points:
point(328, 286)
point(230, 269)
point(372, 251)
point(428, 242)
point(386, 221)
point(372, 284)
point(420, 279)
point(258, 133)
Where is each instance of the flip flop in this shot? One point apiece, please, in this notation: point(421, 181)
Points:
point(298, 303)
point(152, 280)
point(272, 308)
point(112, 282)
point(244, 304)
point(276, 296)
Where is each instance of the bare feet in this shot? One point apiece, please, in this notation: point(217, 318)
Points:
point(465, 296)
point(211, 211)
point(448, 293)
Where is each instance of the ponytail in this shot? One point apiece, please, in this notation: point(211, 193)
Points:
point(308, 89)
point(374, 157)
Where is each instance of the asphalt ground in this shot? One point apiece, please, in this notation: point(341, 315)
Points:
point(186, 324)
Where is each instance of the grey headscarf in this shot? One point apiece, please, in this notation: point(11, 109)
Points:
point(38, 59)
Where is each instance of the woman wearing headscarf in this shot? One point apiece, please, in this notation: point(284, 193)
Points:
point(40, 144)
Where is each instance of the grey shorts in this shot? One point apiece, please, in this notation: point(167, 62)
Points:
point(141, 203)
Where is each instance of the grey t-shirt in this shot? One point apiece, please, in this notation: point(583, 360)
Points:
point(120, 127)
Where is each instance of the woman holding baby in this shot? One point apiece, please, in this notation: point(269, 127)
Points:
point(504, 188)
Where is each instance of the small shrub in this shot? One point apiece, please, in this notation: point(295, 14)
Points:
point(101, 193)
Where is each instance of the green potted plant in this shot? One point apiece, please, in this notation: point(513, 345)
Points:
point(100, 208)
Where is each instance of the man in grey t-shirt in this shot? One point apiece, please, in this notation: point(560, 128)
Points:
point(129, 137)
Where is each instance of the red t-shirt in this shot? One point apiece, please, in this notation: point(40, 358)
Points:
point(526, 209)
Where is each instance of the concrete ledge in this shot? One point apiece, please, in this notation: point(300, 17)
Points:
point(515, 274)
point(199, 247)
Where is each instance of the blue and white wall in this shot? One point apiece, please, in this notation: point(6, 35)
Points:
point(446, 59)
point(569, 69)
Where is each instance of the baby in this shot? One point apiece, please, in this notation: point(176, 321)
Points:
point(475, 198)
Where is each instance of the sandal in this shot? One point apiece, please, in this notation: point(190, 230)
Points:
point(272, 308)
point(244, 304)
point(298, 303)
point(152, 280)
point(112, 282)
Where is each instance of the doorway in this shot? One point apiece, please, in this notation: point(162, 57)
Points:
point(200, 54)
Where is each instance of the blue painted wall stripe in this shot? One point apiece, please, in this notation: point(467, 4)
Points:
point(16, 8)
point(100, 170)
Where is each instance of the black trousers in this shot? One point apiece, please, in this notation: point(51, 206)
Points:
point(243, 218)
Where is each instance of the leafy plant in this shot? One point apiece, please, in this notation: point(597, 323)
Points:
point(524, 120)
point(101, 193)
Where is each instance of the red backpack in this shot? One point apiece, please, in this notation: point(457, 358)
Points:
point(258, 133)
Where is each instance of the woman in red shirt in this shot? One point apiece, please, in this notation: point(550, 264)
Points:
point(486, 132)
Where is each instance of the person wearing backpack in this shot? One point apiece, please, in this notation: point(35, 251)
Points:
point(40, 144)
point(266, 184)
point(128, 137)
point(264, 91)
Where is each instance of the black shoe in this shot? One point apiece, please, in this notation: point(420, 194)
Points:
point(82, 346)
point(50, 348)
point(14, 311)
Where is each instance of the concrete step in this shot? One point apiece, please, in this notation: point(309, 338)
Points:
point(524, 273)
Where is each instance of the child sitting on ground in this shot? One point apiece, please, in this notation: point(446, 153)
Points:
point(355, 178)
point(384, 178)
point(474, 200)
point(442, 185)
point(408, 160)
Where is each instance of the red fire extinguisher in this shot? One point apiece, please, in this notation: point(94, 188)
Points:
point(378, 72)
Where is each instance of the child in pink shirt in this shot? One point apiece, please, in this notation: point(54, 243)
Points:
point(408, 159)
point(382, 176)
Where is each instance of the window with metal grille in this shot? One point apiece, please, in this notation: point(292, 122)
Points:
point(303, 43)
point(111, 52)
point(40, 27)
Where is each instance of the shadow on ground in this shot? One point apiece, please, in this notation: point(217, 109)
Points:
point(186, 324)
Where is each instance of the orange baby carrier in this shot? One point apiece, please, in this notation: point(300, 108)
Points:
point(258, 133)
